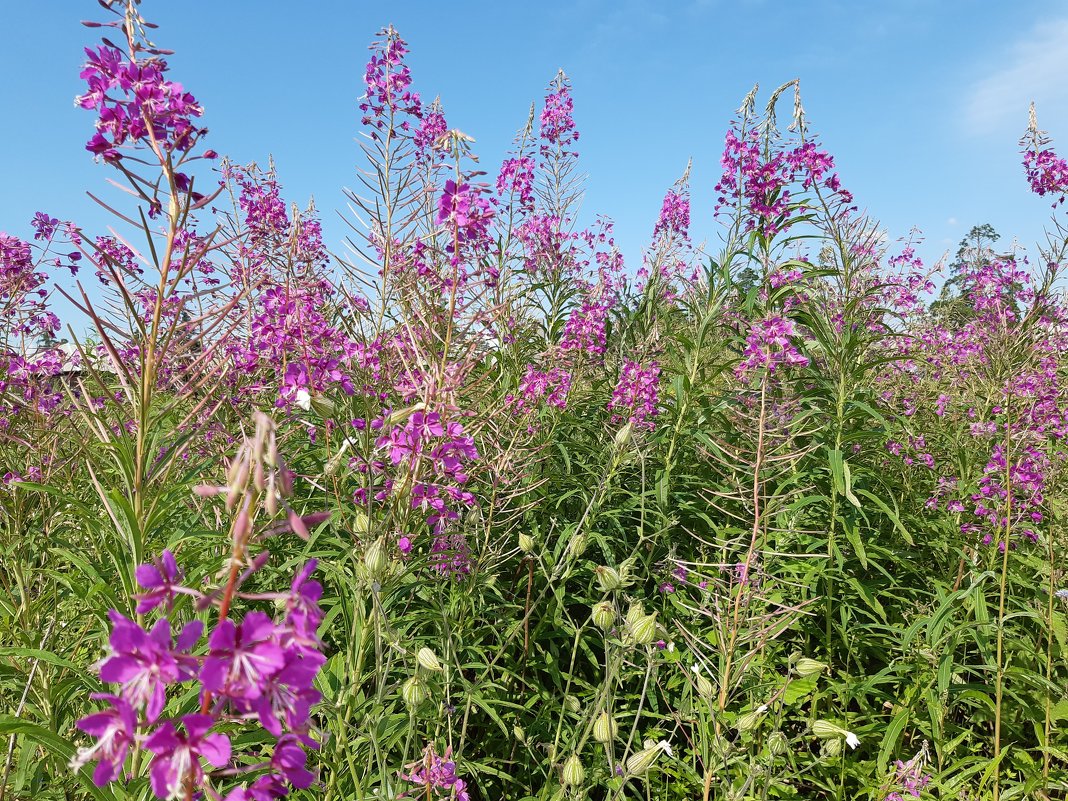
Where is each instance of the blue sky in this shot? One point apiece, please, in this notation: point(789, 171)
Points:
point(922, 103)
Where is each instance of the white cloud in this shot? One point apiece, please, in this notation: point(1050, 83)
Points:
point(1032, 68)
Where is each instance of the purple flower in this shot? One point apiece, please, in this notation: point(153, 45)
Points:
point(768, 346)
point(242, 658)
point(636, 395)
point(160, 578)
point(437, 773)
point(178, 754)
point(289, 760)
point(115, 730)
point(144, 663)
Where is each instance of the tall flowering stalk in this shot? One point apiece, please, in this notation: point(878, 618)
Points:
point(255, 667)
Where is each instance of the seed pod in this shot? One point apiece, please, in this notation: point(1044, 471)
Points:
point(604, 728)
point(428, 660)
point(607, 578)
point(604, 615)
point(520, 735)
point(572, 703)
point(526, 543)
point(577, 546)
point(574, 774)
point(623, 436)
point(414, 692)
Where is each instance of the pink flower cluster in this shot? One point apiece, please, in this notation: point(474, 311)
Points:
point(259, 669)
point(1047, 173)
point(435, 775)
point(515, 181)
point(388, 80)
point(558, 131)
point(585, 328)
point(769, 347)
point(636, 395)
point(137, 105)
point(674, 219)
point(757, 176)
point(536, 387)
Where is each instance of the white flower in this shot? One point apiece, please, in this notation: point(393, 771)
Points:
point(665, 746)
point(304, 399)
point(851, 739)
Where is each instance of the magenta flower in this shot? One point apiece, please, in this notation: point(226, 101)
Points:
point(636, 395)
point(436, 775)
point(289, 760)
point(178, 754)
point(115, 730)
point(160, 578)
point(769, 347)
point(145, 663)
point(242, 658)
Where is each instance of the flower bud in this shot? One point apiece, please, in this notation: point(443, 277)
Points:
point(520, 735)
point(640, 628)
point(824, 728)
point(374, 558)
point(428, 660)
point(623, 436)
point(604, 728)
point(638, 764)
point(270, 498)
point(401, 415)
point(750, 720)
point(574, 774)
point(604, 615)
point(577, 546)
point(526, 543)
point(607, 578)
point(808, 667)
point(572, 703)
point(777, 743)
point(704, 686)
point(831, 748)
point(414, 692)
point(322, 406)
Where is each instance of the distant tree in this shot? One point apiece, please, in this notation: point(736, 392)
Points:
point(976, 250)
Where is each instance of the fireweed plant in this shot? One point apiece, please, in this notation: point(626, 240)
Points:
point(474, 510)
